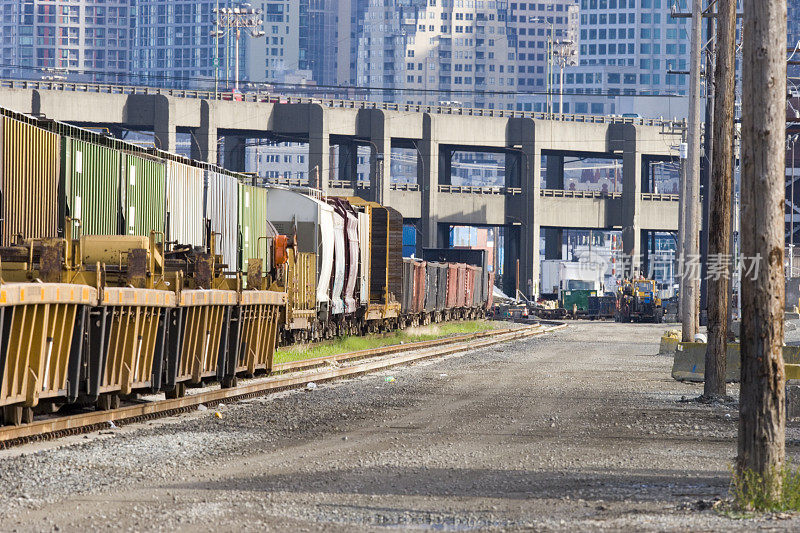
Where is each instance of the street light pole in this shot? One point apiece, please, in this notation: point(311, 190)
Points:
point(563, 52)
point(216, 57)
point(234, 19)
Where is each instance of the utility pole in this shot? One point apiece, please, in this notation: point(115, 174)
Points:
point(691, 292)
point(762, 409)
point(719, 228)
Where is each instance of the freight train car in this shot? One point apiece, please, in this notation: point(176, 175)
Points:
point(124, 270)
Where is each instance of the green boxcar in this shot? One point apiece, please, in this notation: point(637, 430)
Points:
point(91, 186)
point(252, 223)
point(576, 299)
point(144, 195)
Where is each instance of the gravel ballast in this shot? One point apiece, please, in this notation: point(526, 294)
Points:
point(579, 429)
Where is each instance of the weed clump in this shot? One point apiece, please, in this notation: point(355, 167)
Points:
point(777, 491)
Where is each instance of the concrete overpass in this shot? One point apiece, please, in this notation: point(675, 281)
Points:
point(523, 206)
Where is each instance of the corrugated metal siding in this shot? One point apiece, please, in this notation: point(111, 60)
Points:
point(379, 231)
point(185, 203)
point(144, 195)
point(222, 199)
point(395, 252)
point(252, 223)
point(431, 286)
point(91, 180)
point(407, 301)
point(29, 181)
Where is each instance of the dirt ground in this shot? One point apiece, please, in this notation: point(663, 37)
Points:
point(582, 429)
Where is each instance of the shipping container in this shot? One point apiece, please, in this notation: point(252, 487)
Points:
point(185, 190)
point(90, 174)
point(221, 207)
point(29, 179)
point(253, 225)
point(144, 186)
point(409, 235)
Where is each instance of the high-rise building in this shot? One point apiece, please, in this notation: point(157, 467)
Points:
point(793, 38)
point(319, 39)
point(793, 34)
point(59, 39)
point(538, 30)
point(276, 57)
point(173, 45)
point(350, 27)
point(629, 47)
point(418, 51)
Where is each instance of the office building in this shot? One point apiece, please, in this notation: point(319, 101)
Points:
point(429, 52)
point(59, 39)
point(629, 47)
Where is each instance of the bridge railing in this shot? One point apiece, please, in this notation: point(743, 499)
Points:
point(276, 98)
point(470, 189)
point(659, 197)
point(404, 187)
point(561, 193)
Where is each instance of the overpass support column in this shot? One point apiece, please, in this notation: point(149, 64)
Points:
point(522, 216)
point(553, 238)
point(348, 162)
point(428, 179)
point(380, 164)
point(235, 149)
point(631, 198)
point(554, 176)
point(164, 129)
point(204, 138)
point(319, 148)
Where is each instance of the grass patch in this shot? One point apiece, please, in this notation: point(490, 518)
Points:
point(300, 352)
point(752, 492)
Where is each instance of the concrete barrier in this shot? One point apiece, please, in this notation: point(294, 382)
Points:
point(668, 345)
point(689, 363)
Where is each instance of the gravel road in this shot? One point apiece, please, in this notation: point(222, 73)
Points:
point(582, 429)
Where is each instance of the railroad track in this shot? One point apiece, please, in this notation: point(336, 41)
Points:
point(286, 376)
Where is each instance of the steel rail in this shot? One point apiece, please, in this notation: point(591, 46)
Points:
point(59, 427)
point(306, 364)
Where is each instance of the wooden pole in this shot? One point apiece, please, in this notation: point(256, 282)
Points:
point(761, 402)
point(719, 236)
point(691, 238)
